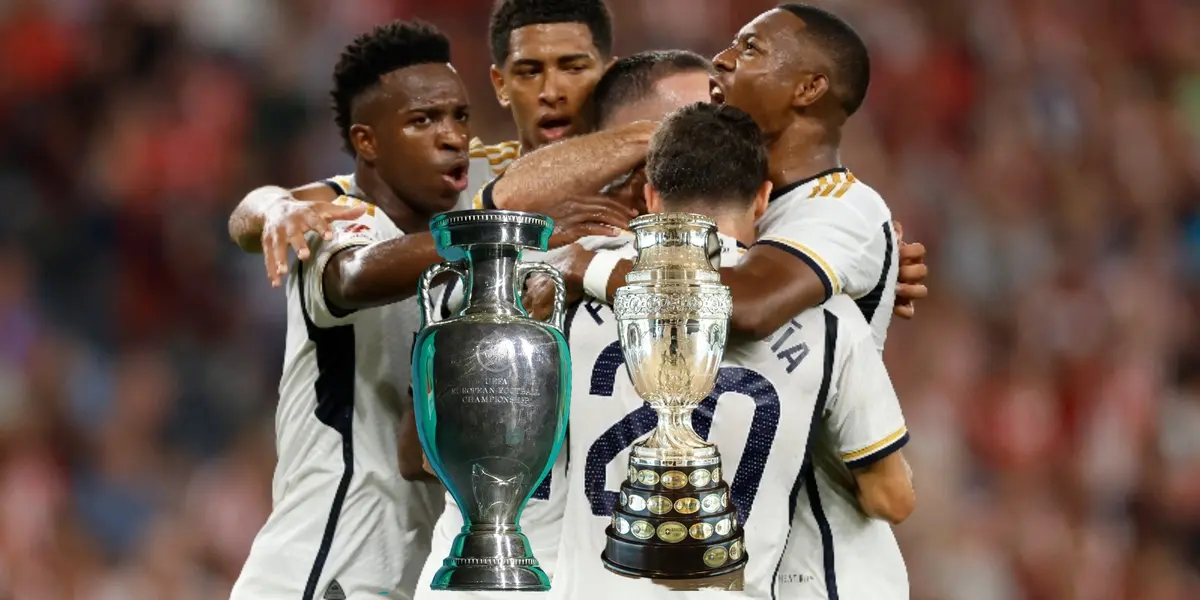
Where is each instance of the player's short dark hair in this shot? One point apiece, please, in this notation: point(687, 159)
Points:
point(510, 15)
point(632, 78)
point(372, 55)
point(713, 154)
point(845, 47)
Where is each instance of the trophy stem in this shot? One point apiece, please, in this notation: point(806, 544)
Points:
point(673, 438)
point(490, 288)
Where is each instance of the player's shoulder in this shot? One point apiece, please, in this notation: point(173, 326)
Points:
point(843, 184)
point(833, 191)
point(495, 157)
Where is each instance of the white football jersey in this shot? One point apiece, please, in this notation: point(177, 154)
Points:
point(344, 524)
point(822, 365)
point(843, 230)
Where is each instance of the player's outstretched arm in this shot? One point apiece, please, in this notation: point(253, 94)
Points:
point(378, 274)
point(575, 167)
point(270, 219)
point(769, 287)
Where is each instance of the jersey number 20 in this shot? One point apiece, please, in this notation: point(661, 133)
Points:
point(634, 425)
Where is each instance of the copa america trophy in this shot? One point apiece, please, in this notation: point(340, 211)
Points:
point(491, 388)
point(674, 519)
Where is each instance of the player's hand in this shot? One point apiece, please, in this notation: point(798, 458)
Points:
point(911, 286)
point(571, 262)
point(577, 218)
point(425, 465)
point(285, 224)
point(539, 296)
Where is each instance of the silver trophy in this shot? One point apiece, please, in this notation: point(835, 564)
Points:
point(674, 519)
point(491, 388)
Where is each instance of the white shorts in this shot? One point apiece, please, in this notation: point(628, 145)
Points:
point(374, 549)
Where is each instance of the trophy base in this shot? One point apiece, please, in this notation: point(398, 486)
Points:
point(674, 521)
point(491, 561)
point(651, 561)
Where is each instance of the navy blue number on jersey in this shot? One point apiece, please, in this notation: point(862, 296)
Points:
point(634, 425)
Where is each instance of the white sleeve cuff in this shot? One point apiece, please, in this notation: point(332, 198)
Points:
point(595, 279)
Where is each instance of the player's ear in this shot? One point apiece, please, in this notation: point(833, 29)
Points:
point(362, 138)
point(761, 198)
point(653, 200)
point(809, 90)
point(498, 85)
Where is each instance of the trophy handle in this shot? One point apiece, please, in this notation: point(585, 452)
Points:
point(558, 315)
point(428, 311)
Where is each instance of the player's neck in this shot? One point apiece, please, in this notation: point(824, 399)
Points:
point(801, 150)
point(398, 210)
point(736, 227)
point(527, 145)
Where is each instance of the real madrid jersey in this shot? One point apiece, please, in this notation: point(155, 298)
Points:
point(822, 366)
point(843, 230)
point(343, 522)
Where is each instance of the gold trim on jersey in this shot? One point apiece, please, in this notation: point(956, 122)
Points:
point(833, 185)
point(352, 201)
point(876, 447)
point(805, 250)
point(499, 156)
point(477, 201)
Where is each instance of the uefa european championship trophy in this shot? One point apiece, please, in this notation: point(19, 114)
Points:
point(674, 519)
point(491, 389)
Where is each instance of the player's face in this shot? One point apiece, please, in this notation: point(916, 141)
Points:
point(547, 79)
point(419, 134)
point(757, 73)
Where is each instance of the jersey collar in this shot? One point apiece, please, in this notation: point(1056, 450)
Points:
point(804, 184)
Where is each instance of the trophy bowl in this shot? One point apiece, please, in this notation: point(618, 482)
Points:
point(674, 519)
point(491, 392)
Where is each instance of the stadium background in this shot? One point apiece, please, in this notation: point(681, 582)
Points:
point(1044, 150)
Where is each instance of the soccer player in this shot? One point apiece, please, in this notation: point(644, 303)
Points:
point(344, 522)
point(820, 378)
point(801, 73)
point(546, 56)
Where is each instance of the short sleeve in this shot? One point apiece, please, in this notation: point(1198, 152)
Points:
point(363, 231)
point(834, 239)
point(864, 415)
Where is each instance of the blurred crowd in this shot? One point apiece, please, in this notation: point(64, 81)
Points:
point(1047, 152)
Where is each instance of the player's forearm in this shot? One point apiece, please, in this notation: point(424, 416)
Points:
point(761, 304)
point(246, 222)
point(574, 167)
point(885, 489)
point(379, 274)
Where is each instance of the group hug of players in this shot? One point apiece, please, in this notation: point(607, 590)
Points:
point(804, 412)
